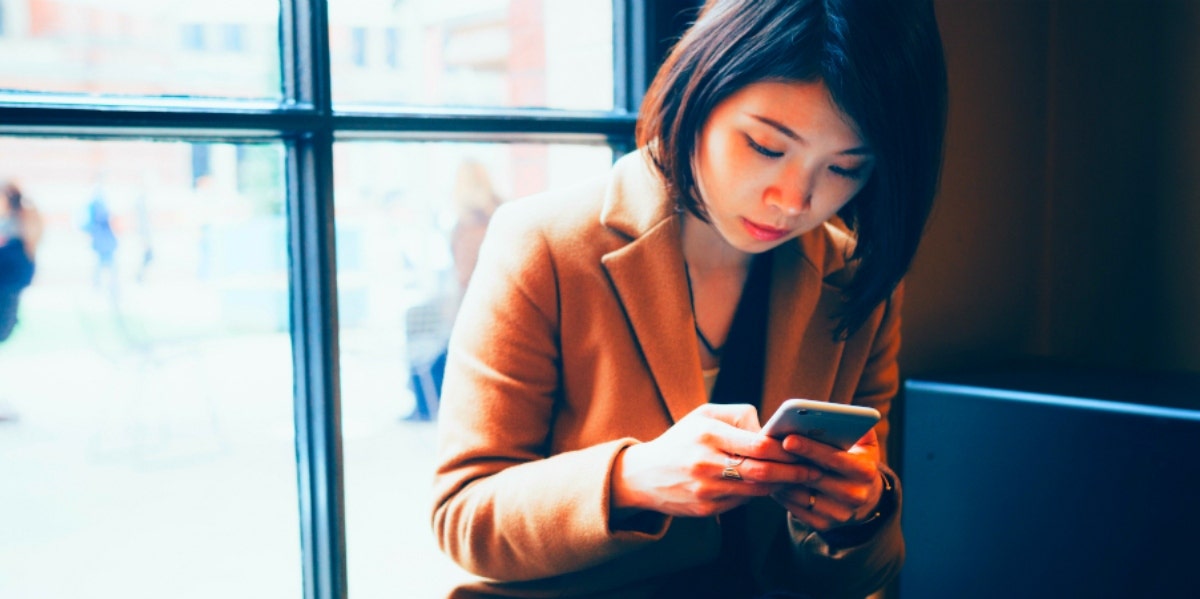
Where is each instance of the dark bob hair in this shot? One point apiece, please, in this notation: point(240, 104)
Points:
point(882, 62)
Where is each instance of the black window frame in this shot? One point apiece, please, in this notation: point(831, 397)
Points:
point(308, 125)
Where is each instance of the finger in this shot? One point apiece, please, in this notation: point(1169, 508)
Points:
point(854, 494)
point(780, 474)
point(734, 430)
point(842, 500)
point(826, 507)
point(813, 509)
point(860, 463)
point(745, 471)
point(835, 457)
point(812, 521)
point(743, 489)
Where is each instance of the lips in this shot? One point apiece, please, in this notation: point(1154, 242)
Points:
point(763, 232)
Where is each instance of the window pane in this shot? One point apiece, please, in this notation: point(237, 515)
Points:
point(146, 444)
point(141, 47)
point(409, 219)
point(531, 53)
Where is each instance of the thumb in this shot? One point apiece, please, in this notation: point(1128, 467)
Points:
point(868, 441)
point(740, 415)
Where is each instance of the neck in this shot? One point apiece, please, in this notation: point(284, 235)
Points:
point(704, 249)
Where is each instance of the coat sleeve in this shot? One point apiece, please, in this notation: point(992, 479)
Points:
point(503, 508)
point(831, 571)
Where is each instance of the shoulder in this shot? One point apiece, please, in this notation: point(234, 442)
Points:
point(555, 213)
point(531, 241)
point(592, 217)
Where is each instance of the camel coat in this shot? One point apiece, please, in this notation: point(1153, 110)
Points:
point(575, 341)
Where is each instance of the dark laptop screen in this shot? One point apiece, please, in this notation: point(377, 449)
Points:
point(1013, 493)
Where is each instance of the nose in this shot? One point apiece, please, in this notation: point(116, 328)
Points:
point(791, 193)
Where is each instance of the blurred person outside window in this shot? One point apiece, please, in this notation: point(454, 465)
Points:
point(475, 199)
point(20, 233)
point(97, 224)
point(142, 216)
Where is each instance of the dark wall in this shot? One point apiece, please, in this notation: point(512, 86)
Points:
point(972, 295)
point(1069, 200)
point(1106, 150)
point(1178, 341)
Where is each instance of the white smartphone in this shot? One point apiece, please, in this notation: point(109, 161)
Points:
point(834, 424)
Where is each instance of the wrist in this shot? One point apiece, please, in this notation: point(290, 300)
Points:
point(886, 504)
point(626, 508)
point(624, 499)
point(860, 531)
point(885, 489)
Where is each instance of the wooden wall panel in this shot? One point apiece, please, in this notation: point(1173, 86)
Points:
point(1068, 225)
point(972, 293)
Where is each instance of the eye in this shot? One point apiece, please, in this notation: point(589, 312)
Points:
point(761, 150)
point(854, 174)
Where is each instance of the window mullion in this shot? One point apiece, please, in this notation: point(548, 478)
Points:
point(313, 291)
point(315, 358)
point(630, 42)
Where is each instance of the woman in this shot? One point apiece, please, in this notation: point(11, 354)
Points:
point(622, 341)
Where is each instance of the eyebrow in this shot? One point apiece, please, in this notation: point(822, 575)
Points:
point(858, 151)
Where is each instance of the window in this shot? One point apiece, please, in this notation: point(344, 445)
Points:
point(392, 50)
point(193, 37)
point(126, 378)
point(200, 163)
point(251, 260)
point(233, 37)
point(133, 48)
point(358, 46)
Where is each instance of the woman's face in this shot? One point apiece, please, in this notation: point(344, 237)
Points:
point(775, 160)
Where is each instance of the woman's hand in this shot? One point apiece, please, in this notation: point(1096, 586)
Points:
point(681, 473)
point(848, 487)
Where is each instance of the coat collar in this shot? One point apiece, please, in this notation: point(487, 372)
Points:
point(636, 200)
point(649, 277)
point(648, 274)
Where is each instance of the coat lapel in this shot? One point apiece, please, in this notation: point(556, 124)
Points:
point(649, 278)
point(800, 348)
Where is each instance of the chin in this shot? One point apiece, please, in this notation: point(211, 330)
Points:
point(737, 238)
point(754, 246)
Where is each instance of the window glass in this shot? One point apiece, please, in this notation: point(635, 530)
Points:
point(146, 429)
point(141, 47)
point(410, 217)
point(528, 53)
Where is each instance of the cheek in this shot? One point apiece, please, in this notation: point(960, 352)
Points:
point(716, 169)
point(840, 192)
point(716, 158)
